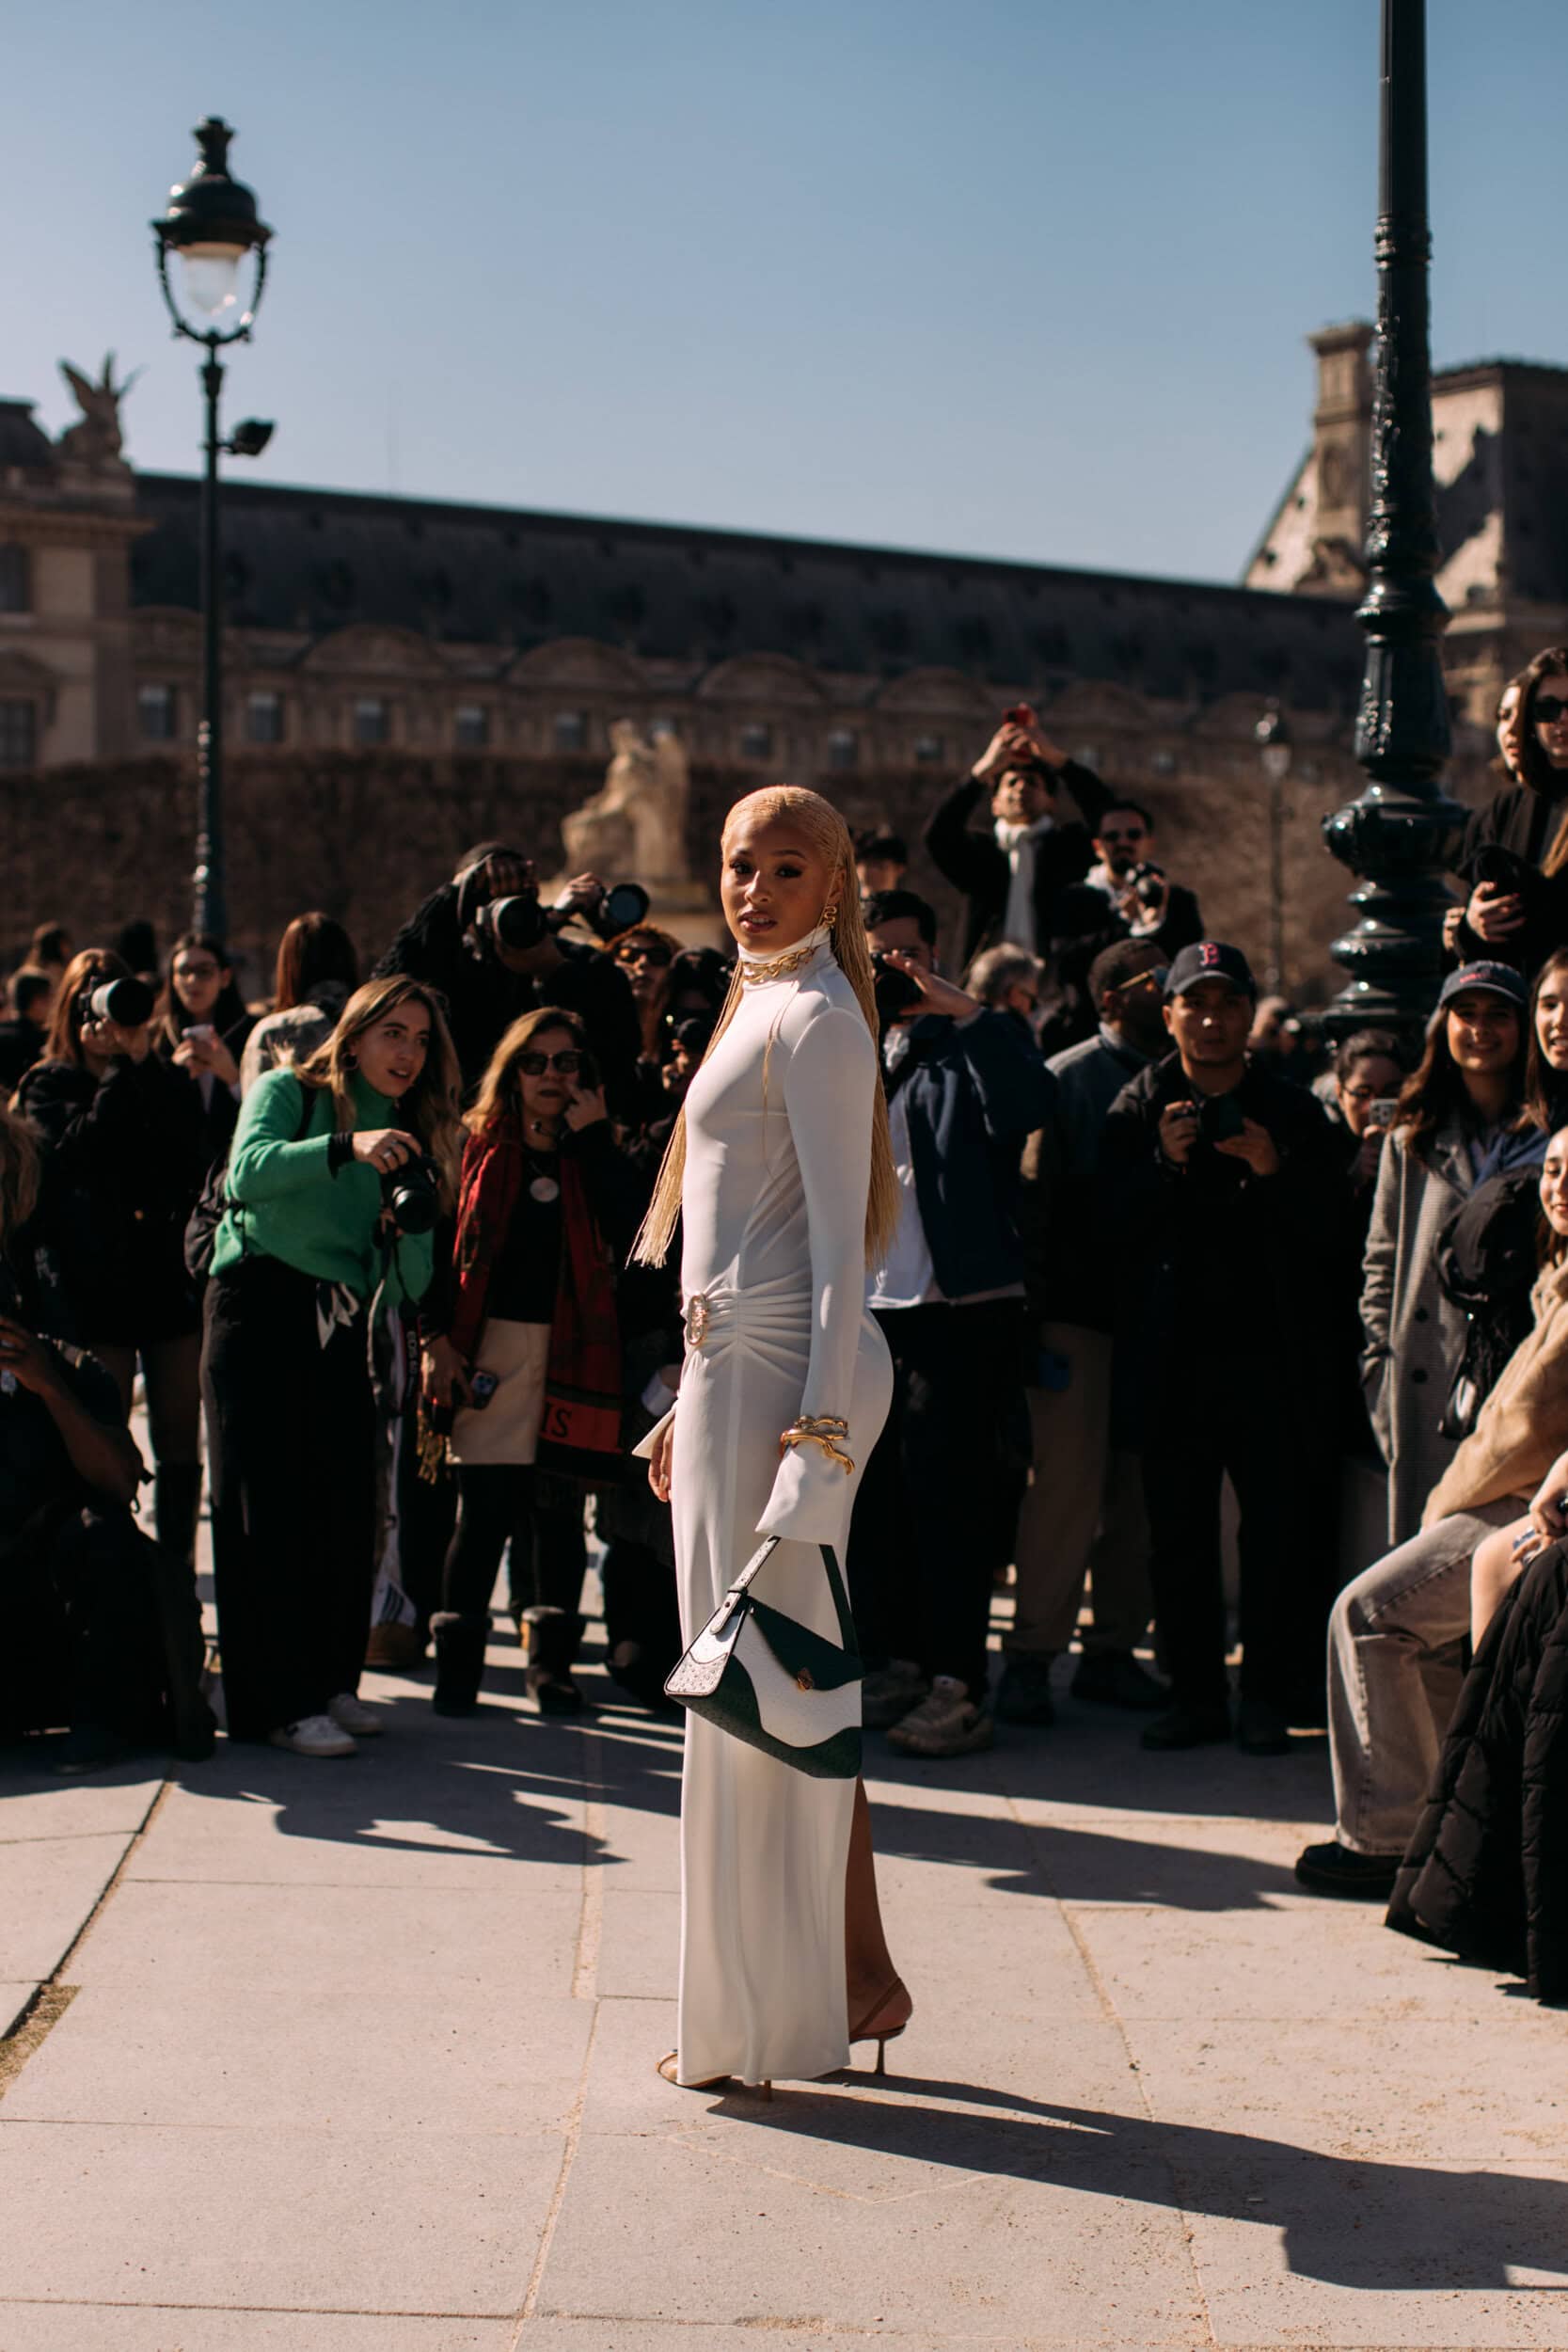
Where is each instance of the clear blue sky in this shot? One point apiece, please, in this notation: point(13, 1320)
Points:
point(1017, 276)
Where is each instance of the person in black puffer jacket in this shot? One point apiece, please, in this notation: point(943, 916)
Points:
point(125, 1159)
point(1486, 1873)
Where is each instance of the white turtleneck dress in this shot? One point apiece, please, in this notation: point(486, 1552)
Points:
point(777, 1158)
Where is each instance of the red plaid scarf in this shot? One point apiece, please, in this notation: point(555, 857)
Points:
point(580, 1434)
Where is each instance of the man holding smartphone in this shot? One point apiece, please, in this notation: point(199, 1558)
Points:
point(1220, 1180)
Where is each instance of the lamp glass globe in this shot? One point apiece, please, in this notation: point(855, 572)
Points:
point(212, 273)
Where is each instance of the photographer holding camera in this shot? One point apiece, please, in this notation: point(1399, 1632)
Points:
point(1146, 903)
point(337, 1173)
point(522, 1347)
point(1220, 1181)
point(495, 952)
point(1013, 873)
point(965, 1086)
point(125, 1157)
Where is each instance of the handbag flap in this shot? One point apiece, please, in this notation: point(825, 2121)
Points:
point(802, 1652)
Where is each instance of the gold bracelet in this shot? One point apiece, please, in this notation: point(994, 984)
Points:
point(823, 1429)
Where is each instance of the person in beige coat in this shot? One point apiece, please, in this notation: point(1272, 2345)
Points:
point(1397, 1635)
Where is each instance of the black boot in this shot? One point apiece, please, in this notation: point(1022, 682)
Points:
point(550, 1639)
point(176, 1508)
point(460, 1643)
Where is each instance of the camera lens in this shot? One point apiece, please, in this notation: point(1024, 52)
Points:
point(626, 904)
point(518, 922)
point(410, 1194)
point(126, 1002)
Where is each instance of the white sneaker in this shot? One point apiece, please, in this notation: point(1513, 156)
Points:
point(314, 1735)
point(351, 1714)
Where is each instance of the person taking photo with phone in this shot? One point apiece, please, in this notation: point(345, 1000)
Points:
point(522, 1351)
point(1513, 855)
point(1217, 1180)
point(965, 1086)
point(1013, 873)
point(202, 1027)
point(337, 1176)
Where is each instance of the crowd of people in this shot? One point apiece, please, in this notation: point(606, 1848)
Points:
point(368, 1247)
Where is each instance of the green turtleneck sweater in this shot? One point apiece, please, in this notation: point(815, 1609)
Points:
point(286, 1202)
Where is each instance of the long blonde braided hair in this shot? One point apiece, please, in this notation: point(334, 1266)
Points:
point(829, 836)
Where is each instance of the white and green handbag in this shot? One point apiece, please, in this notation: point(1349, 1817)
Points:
point(772, 1682)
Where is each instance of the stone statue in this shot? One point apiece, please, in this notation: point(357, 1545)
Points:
point(634, 827)
point(95, 439)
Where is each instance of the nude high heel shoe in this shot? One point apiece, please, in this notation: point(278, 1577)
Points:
point(886, 2019)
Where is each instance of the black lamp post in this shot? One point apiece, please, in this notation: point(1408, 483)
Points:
point(1397, 837)
point(212, 224)
point(1274, 748)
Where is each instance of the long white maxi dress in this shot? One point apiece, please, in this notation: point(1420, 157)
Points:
point(778, 1159)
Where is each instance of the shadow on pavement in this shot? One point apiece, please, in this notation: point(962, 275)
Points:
point(1370, 2224)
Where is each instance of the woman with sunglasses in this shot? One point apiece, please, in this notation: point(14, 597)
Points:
point(522, 1347)
point(646, 954)
point(202, 1025)
point(1514, 854)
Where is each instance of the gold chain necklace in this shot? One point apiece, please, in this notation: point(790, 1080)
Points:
point(755, 972)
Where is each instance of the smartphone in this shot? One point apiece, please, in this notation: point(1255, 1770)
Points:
point(482, 1387)
point(1021, 715)
point(1381, 1113)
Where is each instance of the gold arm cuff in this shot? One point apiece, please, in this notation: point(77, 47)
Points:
point(823, 1429)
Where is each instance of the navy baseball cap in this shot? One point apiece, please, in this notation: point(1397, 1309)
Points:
point(1500, 978)
point(1211, 959)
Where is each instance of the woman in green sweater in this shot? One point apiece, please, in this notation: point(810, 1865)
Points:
point(307, 1253)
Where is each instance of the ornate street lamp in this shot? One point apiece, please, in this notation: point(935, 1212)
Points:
point(212, 227)
point(1398, 835)
point(1275, 747)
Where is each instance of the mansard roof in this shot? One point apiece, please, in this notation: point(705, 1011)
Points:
point(316, 560)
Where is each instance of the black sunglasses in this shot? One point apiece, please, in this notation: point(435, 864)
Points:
point(660, 958)
point(1548, 710)
point(535, 1065)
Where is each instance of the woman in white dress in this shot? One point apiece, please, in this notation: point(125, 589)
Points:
point(782, 1175)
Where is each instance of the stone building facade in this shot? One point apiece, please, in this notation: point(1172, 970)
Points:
point(415, 639)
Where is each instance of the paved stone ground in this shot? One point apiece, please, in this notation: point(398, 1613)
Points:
point(360, 2058)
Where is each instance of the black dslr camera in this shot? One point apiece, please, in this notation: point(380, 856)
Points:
point(1148, 882)
point(521, 922)
point(894, 991)
point(411, 1194)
